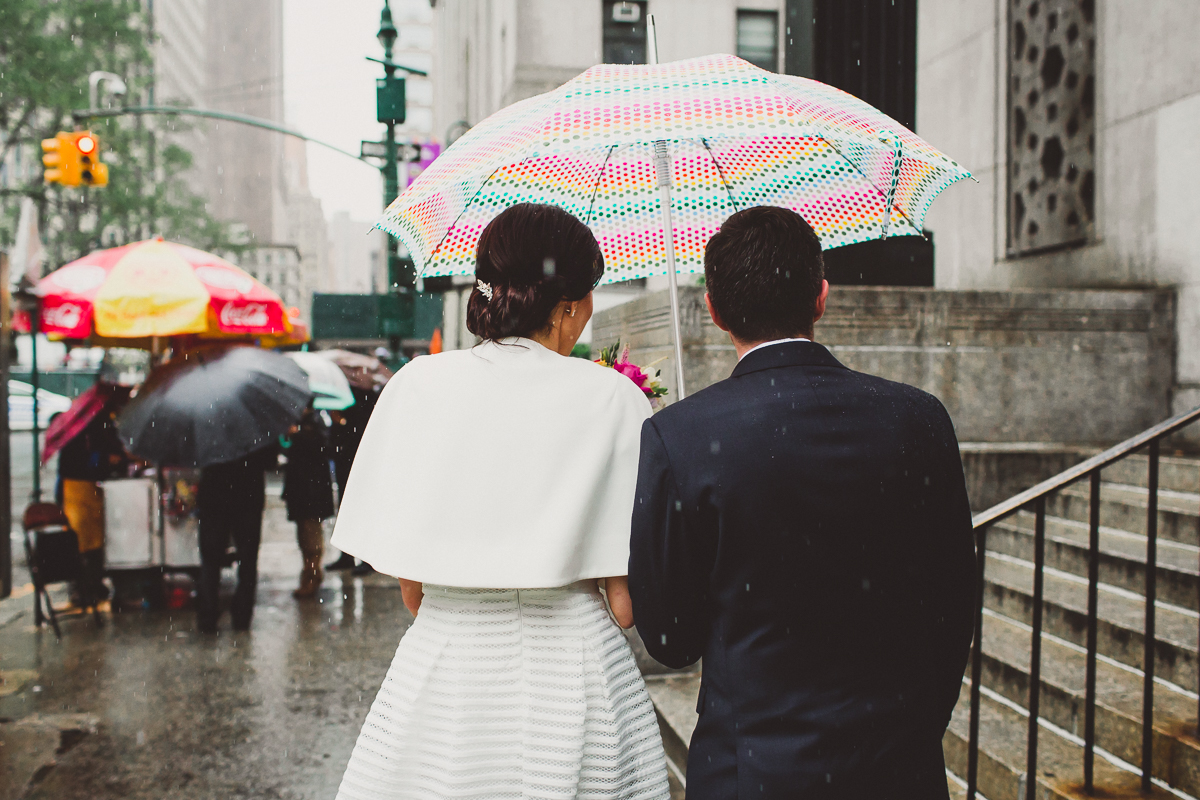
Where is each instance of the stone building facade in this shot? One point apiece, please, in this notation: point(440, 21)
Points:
point(491, 53)
point(1078, 119)
point(1075, 117)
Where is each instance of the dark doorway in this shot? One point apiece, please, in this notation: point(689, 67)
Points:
point(869, 49)
point(624, 31)
point(898, 261)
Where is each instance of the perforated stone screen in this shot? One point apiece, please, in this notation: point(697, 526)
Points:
point(1051, 124)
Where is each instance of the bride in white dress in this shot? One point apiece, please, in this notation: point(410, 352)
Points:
point(497, 484)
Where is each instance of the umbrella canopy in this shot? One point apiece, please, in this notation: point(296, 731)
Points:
point(211, 407)
point(726, 134)
point(326, 381)
point(157, 288)
point(364, 372)
point(84, 408)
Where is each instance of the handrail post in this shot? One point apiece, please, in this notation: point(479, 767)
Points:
point(1151, 594)
point(1089, 707)
point(976, 666)
point(1035, 655)
point(1035, 496)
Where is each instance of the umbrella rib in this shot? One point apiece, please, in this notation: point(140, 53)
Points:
point(466, 205)
point(596, 189)
point(721, 172)
point(882, 194)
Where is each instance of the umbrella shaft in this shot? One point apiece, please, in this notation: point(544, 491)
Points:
point(673, 281)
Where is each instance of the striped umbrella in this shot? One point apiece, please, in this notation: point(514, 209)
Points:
point(653, 158)
point(159, 288)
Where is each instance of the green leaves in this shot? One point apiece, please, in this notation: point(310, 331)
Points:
point(47, 50)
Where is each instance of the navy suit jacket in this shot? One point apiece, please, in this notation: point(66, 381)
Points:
point(806, 530)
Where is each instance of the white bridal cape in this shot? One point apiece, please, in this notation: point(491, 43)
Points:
point(503, 466)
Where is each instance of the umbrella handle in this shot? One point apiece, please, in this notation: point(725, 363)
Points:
point(662, 164)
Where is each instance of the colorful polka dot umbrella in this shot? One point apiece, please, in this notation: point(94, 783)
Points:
point(654, 158)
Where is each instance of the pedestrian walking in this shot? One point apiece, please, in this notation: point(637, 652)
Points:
point(345, 435)
point(510, 497)
point(230, 505)
point(308, 493)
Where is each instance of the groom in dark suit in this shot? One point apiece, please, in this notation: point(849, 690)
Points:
point(805, 529)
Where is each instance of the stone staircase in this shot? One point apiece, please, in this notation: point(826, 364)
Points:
point(1008, 607)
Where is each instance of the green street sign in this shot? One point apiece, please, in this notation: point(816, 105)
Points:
point(389, 99)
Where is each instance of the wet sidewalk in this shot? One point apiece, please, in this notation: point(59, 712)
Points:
point(145, 707)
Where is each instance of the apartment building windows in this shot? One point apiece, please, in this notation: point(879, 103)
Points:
point(758, 38)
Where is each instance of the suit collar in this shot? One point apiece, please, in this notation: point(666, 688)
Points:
point(786, 354)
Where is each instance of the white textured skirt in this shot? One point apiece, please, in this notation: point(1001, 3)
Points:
point(506, 693)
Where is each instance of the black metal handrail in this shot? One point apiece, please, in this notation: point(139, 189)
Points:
point(1036, 498)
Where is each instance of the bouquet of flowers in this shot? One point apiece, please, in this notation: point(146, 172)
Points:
point(645, 379)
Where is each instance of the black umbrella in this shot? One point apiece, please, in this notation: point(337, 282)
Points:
point(214, 407)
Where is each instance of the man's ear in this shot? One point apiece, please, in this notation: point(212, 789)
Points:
point(712, 312)
point(819, 307)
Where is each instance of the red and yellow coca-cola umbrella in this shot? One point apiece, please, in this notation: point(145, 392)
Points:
point(159, 288)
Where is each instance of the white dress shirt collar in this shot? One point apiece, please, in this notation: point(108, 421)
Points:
point(773, 341)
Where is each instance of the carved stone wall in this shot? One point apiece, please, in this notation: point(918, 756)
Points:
point(1084, 367)
point(1052, 130)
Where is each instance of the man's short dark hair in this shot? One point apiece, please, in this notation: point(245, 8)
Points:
point(763, 271)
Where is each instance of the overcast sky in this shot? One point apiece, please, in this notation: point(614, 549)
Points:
point(329, 94)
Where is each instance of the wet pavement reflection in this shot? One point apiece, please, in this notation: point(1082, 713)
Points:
point(271, 713)
point(144, 706)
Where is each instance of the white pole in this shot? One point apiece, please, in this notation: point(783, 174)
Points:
point(662, 165)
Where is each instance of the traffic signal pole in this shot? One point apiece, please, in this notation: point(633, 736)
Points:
point(391, 110)
point(391, 190)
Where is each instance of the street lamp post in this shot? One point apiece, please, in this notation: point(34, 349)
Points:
point(387, 92)
point(28, 301)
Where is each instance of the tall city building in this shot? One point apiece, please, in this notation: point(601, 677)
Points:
point(356, 255)
point(244, 47)
point(304, 228)
point(414, 48)
point(227, 55)
point(181, 75)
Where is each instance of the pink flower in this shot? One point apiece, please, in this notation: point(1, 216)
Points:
point(633, 372)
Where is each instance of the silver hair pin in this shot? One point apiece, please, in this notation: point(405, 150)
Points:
point(485, 289)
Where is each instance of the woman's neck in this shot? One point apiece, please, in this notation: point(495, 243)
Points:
point(551, 338)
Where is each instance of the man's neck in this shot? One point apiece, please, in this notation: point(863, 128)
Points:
point(745, 347)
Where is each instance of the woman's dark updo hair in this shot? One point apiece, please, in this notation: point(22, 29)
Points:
point(533, 256)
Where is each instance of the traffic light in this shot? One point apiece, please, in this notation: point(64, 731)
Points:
point(73, 158)
point(91, 171)
point(60, 165)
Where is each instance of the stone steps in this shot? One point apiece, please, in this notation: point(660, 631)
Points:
point(1120, 617)
point(674, 697)
point(1122, 556)
point(1118, 700)
point(1174, 473)
point(1124, 507)
point(1003, 735)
